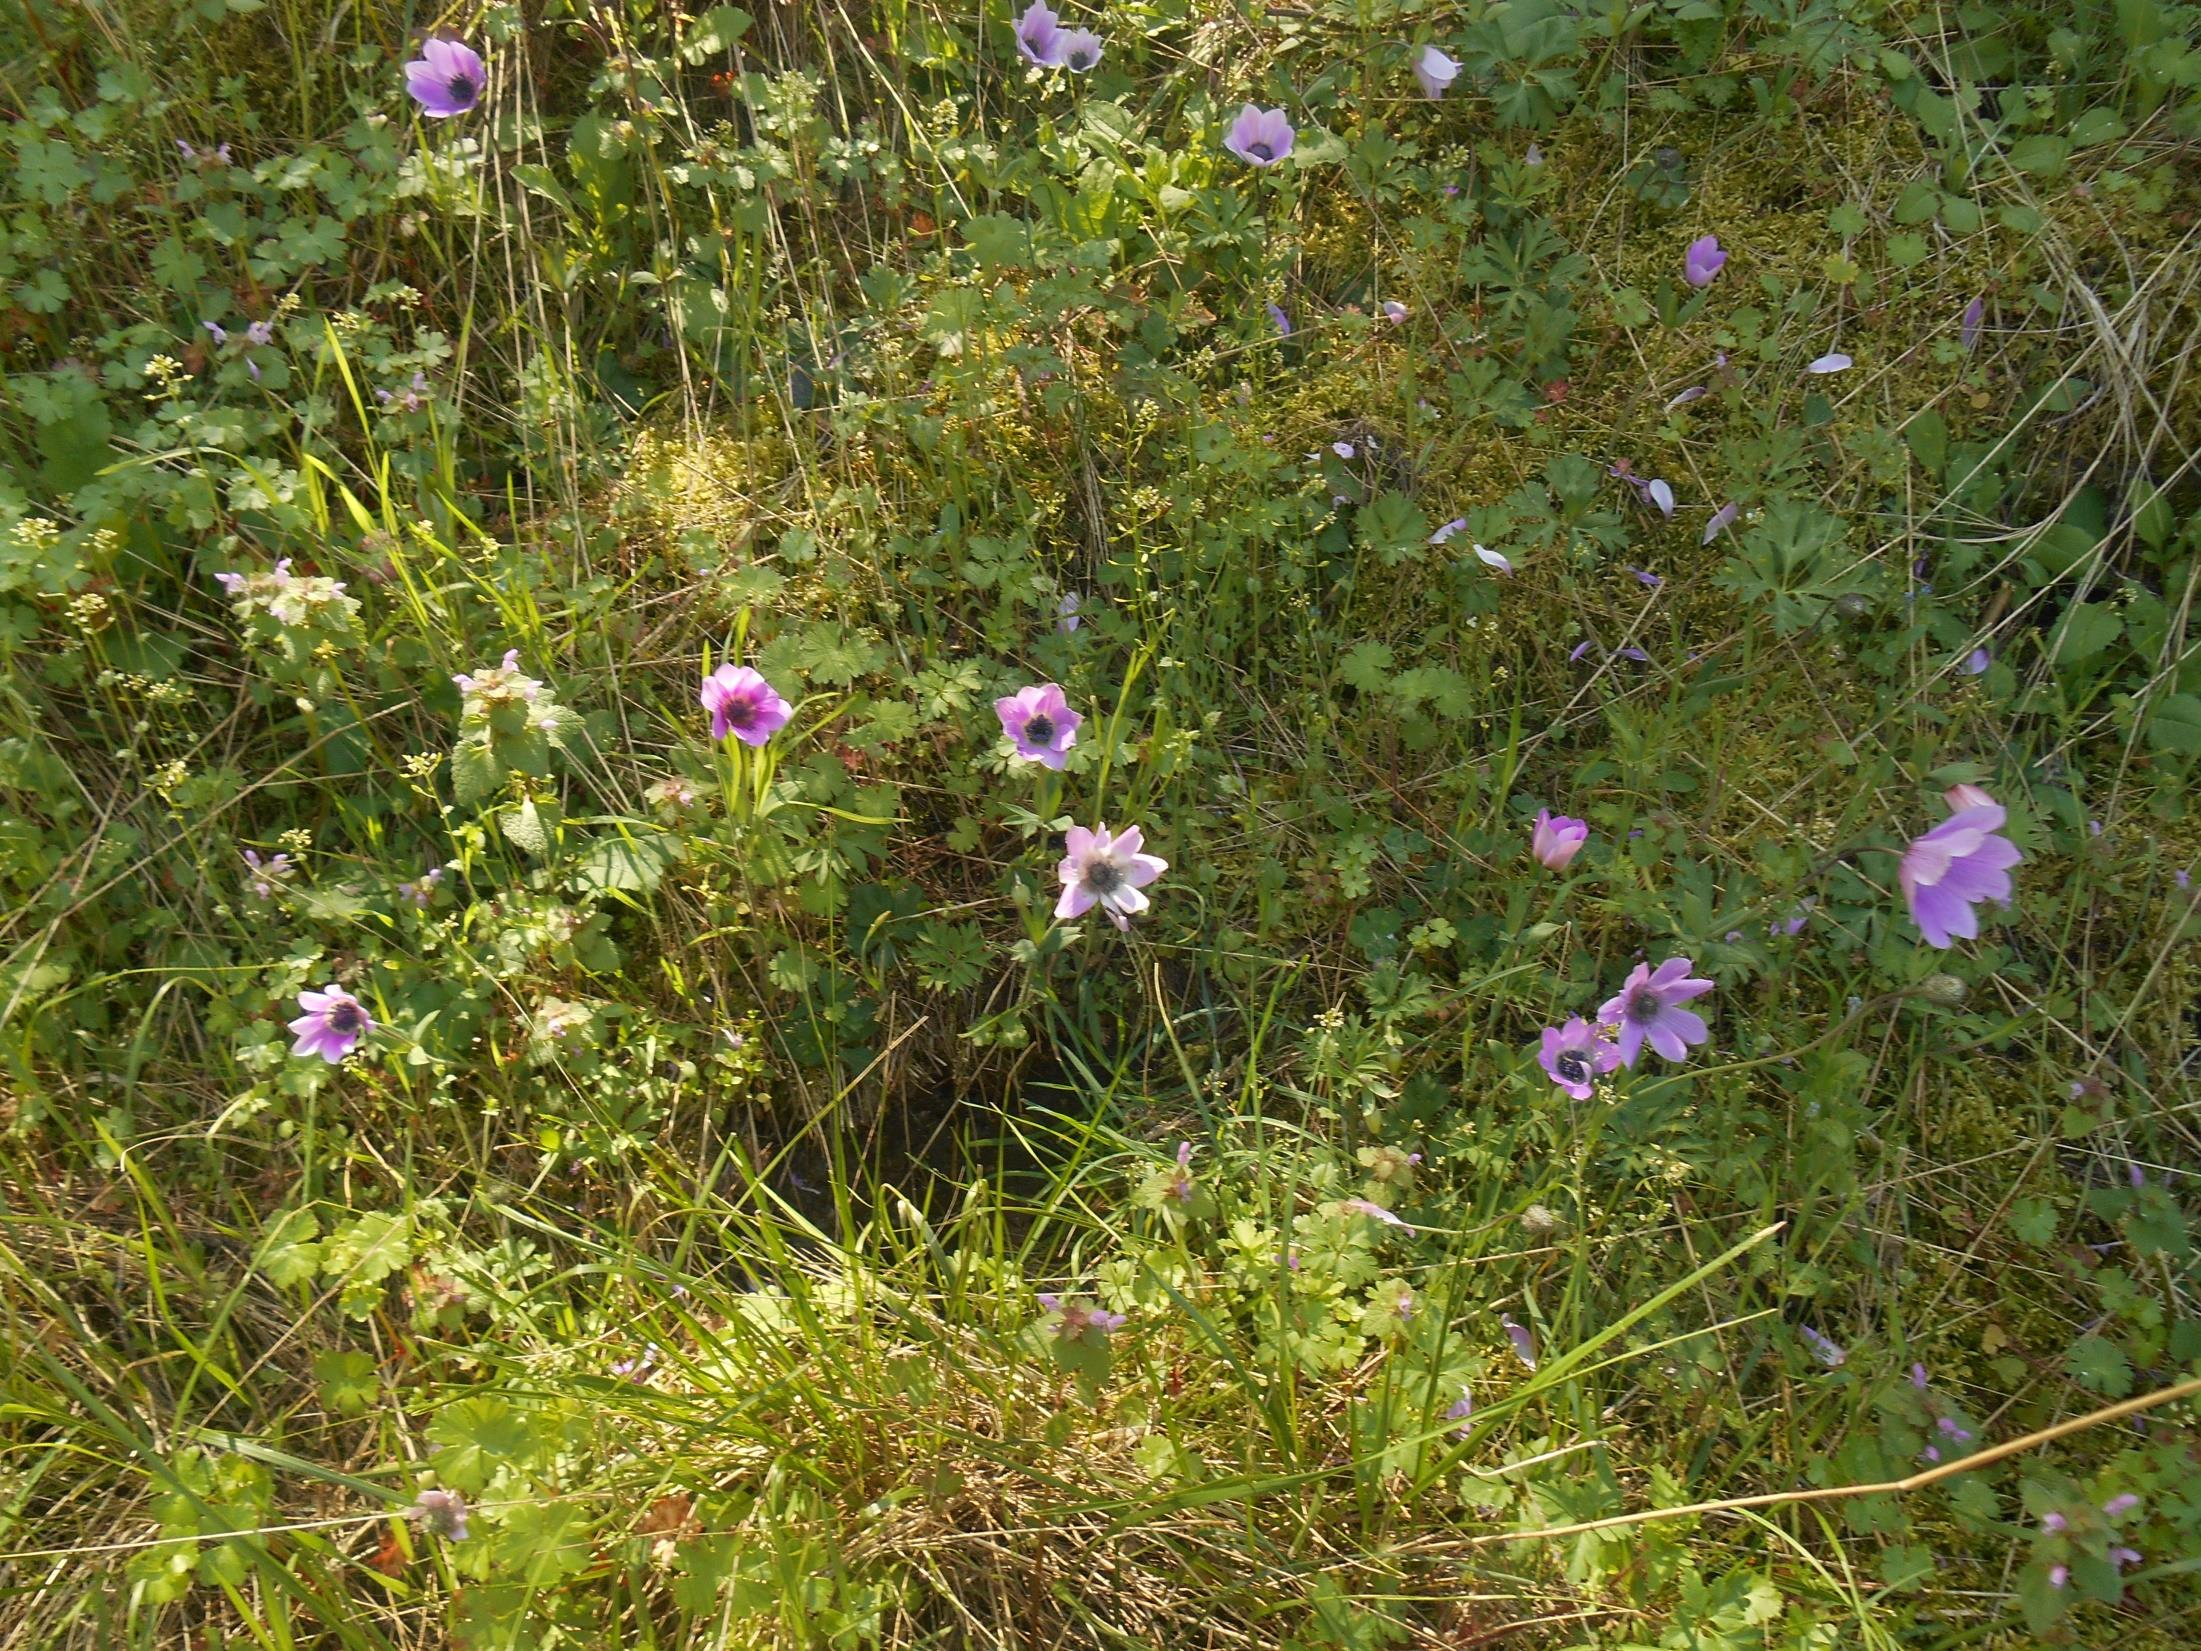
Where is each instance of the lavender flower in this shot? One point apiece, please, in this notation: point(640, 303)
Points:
point(1722, 518)
point(2120, 1505)
point(1066, 612)
point(1968, 329)
point(1283, 322)
point(265, 874)
point(216, 331)
point(442, 1511)
point(1492, 559)
point(1040, 723)
point(743, 704)
point(1100, 870)
point(1078, 50)
point(1259, 137)
point(1433, 71)
point(1393, 311)
point(1038, 36)
point(1648, 1006)
point(1954, 867)
point(1646, 578)
point(1977, 661)
point(1661, 493)
point(2121, 1557)
point(1072, 1320)
point(1824, 1348)
point(1443, 535)
point(1693, 393)
point(1834, 361)
point(1557, 839)
point(1373, 1211)
point(1918, 1376)
point(2053, 1523)
point(1703, 261)
point(422, 892)
point(1966, 795)
point(261, 333)
point(446, 79)
point(1182, 1187)
point(1461, 1409)
point(332, 1025)
point(2058, 1575)
point(1576, 1055)
point(1524, 1342)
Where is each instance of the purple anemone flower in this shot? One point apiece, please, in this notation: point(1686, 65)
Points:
point(1066, 612)
point(2120, 1505)
point(2053, 1522)
point(1660, 492)
point(1557, 839)
point(1722, 519)
point(1975, 313)
point(1524, 1342)
point(1038, 36)
point(1824, 1348)
point(1394, 311)
point(1703, 261)
point(1492, 558)
point(1576, 1055)
point(442, 1511)
point(1259, 137)
point(216, 331)
point(1648, 1007)
point(1977, 661)
point(744, 705)
point(446, 79)
point(2058, 1575)
point(1461, 1409)
point(1282, 320)
point(1040, 723)
point(1078, 50)
point(1954, 867)
point(261, 333)
point(1695, 392)
point(1458, 524)
point(1433, 71)
point(332, 1025)
point(1834, 361)
point(1108, 872)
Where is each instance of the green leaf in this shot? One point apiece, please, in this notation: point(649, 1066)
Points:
point(1917, 204)
point(475, 1438)
point(2040, 155)
point(348, 1381)
point(1928, 435)
point(632, 862)
point(290, 1252)
point(476, 775)
point(2100, 1364)
point(2087, 628)
point(526, 829)
point(1367, 667)
point(2174, 725)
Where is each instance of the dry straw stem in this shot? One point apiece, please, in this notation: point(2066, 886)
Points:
point(1885, 1487)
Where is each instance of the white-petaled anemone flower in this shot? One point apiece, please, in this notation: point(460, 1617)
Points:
point(1108, 872)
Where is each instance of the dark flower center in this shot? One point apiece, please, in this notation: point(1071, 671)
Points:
point(740, 713)
point(462, 91)
point(1644, 1006)
point(1260, 151)
point(1039, 730)
point(1081, 57)
point(1103, 876)
point(347, 1020)
point(1571, 1067)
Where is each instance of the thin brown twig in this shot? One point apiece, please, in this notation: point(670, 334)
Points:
point(1885, 1487)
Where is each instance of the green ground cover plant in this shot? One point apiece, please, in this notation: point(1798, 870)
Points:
point(880, 824)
